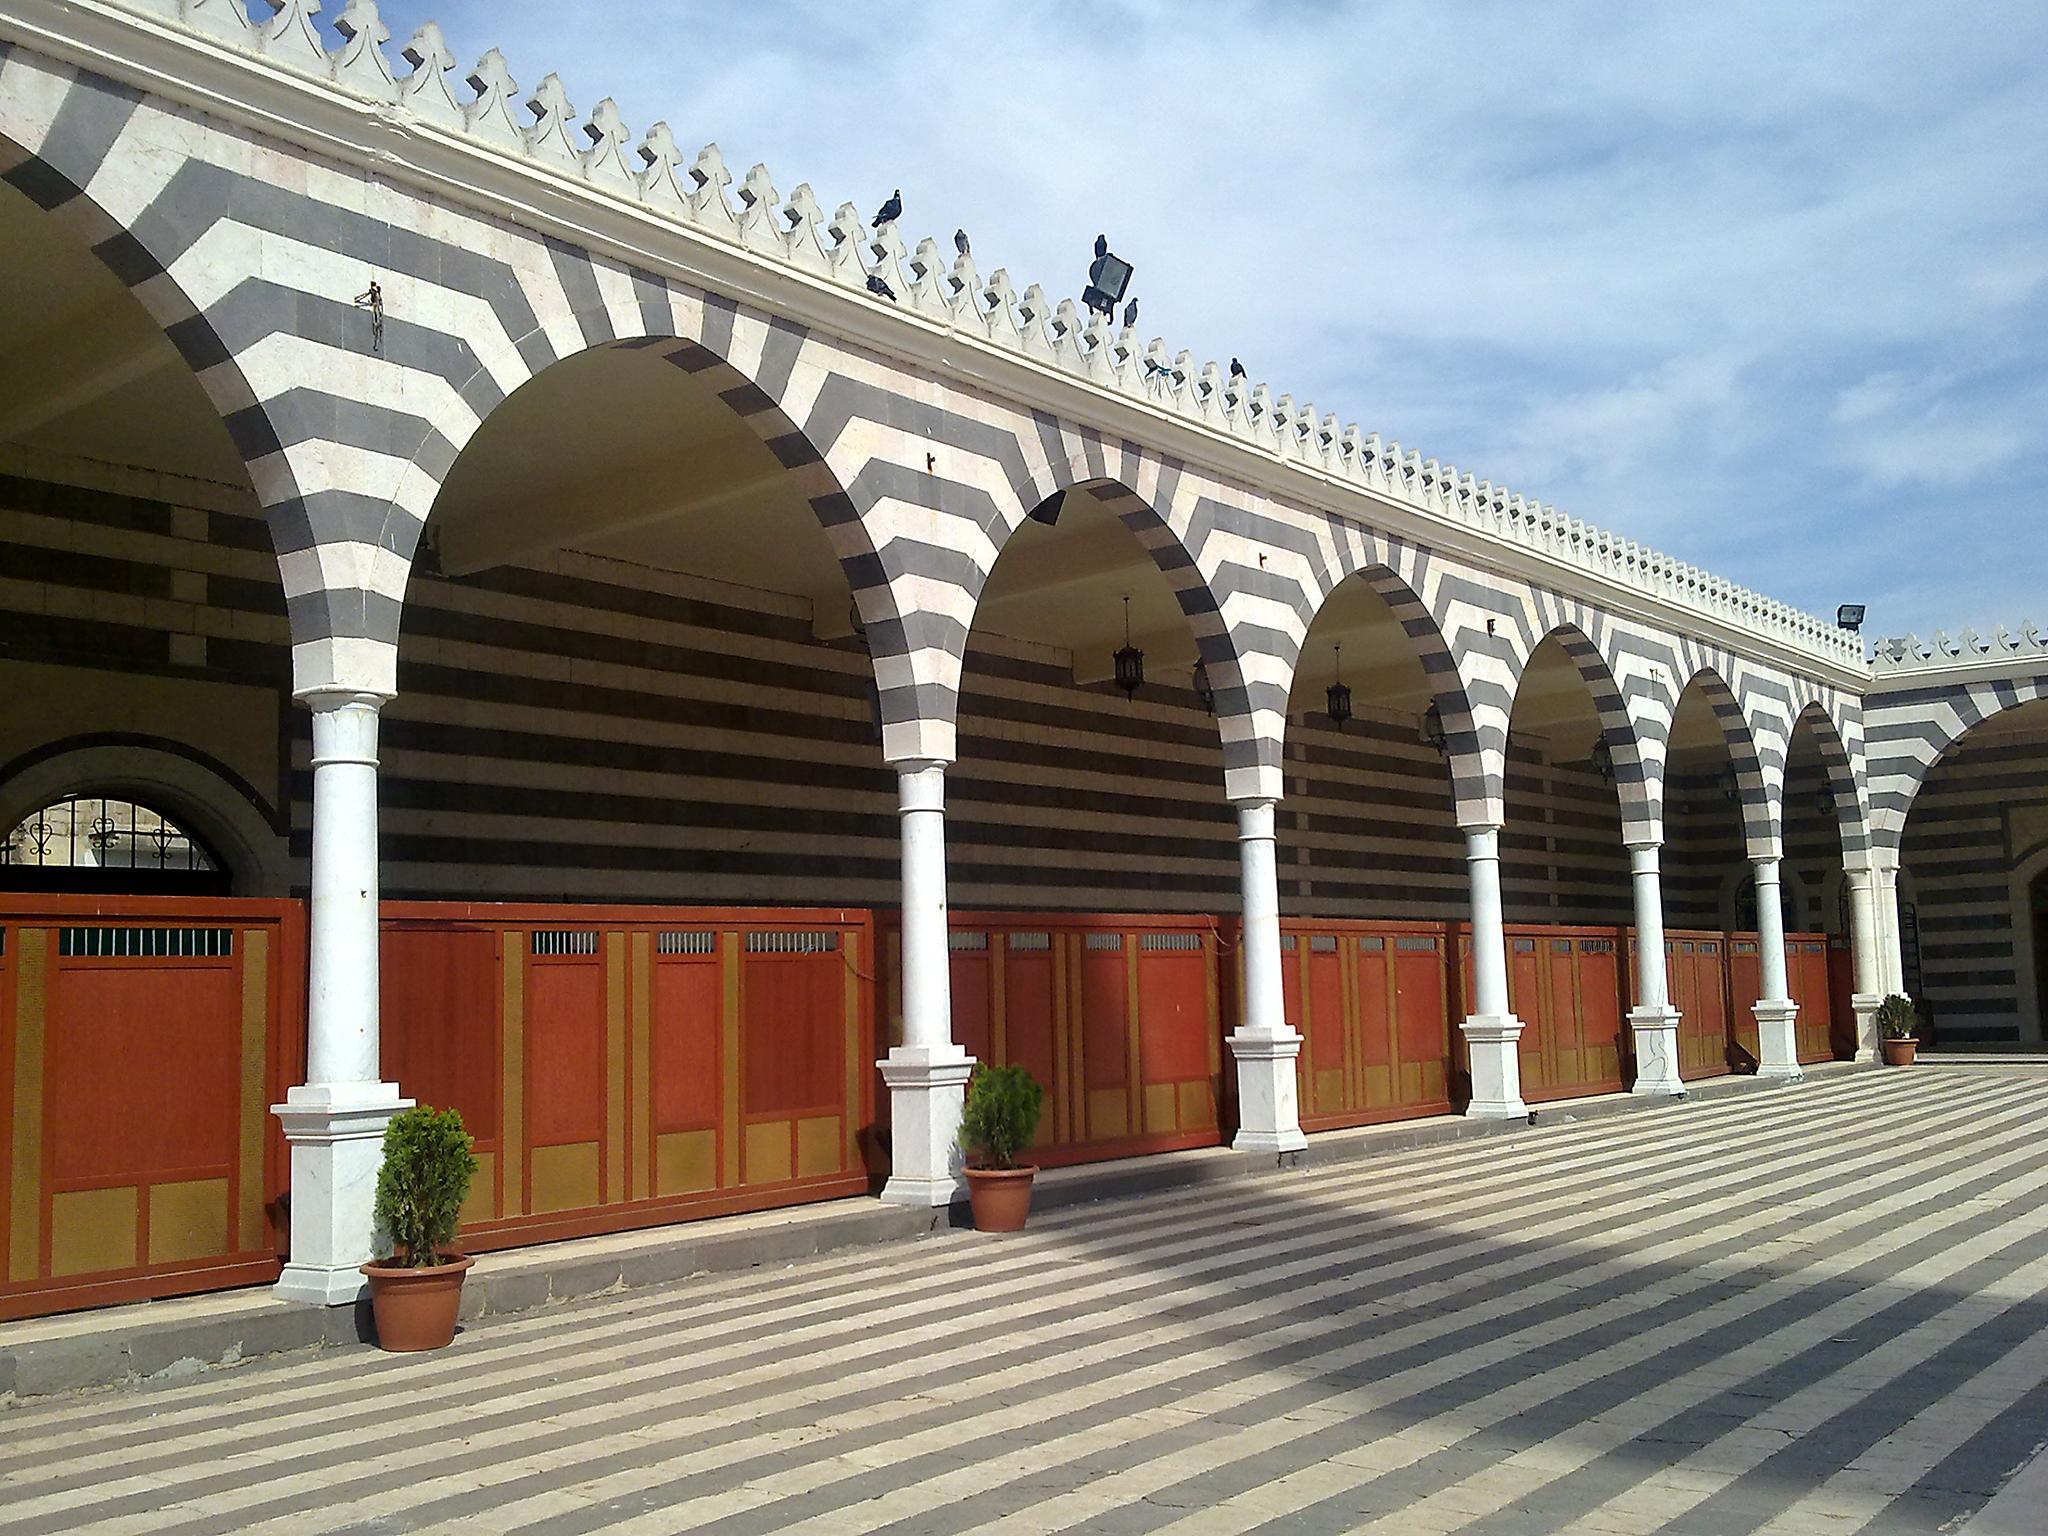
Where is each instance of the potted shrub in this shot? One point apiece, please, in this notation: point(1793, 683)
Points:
point(1898, 1027)
point(417, 1291)
point(1003, 1105)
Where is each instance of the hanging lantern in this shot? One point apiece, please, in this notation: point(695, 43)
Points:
point(1433, 730)
point(1204, 689)
point(1338, 699)
point(1603, 760)
point(1130, 661)
point(1731, 787)
point(1824, 802)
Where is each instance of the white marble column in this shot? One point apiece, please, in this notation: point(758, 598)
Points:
point(1492, 1032)
point(1265, 1045)
point(1777, 1045)
point(335, 1120)
point(1653, 1020)
point(927, 1074)
point(1867, 964)
point(1891, 957)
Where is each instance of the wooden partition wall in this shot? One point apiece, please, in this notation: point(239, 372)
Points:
point(142, 1042)
point(1371, 1002)
point(1809, 978)
point(629, 1066)
point(1119, 1016)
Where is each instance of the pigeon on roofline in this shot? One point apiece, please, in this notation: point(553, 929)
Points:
point(960, 241)
point(1130, 314)
point(880, 288)
point(1236, 369)
point(890, 211)
point(1102, 245)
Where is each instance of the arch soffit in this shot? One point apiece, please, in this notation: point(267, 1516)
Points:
point(1640, 800)
point(1852, 811)
point(1921, 738)
point(1759, 780)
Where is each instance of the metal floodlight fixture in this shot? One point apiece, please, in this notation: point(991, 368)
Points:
point(1433, 730)
point(1204, 689)
point(1130, 661)
point(1109, 278)
point(1850, 617)
point(1337, 700)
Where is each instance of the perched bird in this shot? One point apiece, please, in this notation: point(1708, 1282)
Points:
point(1236, 369)
point(1130, 314)
point(890, 211)
point(1102, 245)
point(960, 241)
point(881, 289)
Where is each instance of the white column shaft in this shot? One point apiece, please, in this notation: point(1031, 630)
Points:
point(1653, 1021)
point(1492, 1032)
point(927, 1074)
point(1776, 1014)
point(1866, 959)
point(1265, 1045)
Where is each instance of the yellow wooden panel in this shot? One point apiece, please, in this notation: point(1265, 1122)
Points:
point(567, 1178)
point(614, 1183)
point(685, 1162)
point(766, 1159)
point(1329, 1090)
point(819, 1147)
point(1109, 1114)
point(482, 1202)
point(729, 961)
point(93, 1229)
point(1160, 1108)
point(24, 1242)
point(1379, 1086)
point(1197, 1106)
point(847, 1155)
point(640, 1093)
point(514, 1112)
point(255, 1099)
point(1432, 1080)
point(1607, 1062)
point(188, 1221)
point(1414, 1083)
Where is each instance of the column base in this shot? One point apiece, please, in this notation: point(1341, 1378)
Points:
point(1268, 1097)
point(927, 1091)
point(1656, 1038)
point(1491, 1041)
point(1864, 1006)
point(1777, 1045)
point(336, 1131)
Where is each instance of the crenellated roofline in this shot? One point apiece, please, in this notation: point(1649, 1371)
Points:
point(528, 155)
point(1907, 658)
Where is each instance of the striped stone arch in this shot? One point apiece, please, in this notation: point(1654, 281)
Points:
point(1851, 820)
point(1758, 794)
point(1393, 568)
point(1640, 812)
point(1906, 731)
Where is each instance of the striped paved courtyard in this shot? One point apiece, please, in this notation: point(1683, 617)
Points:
point(1812, 1309)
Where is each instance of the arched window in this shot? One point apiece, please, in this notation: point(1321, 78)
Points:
point(107, 843)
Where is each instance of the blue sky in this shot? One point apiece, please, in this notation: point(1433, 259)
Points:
point(1763, 285)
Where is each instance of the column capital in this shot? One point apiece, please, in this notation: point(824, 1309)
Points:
point(324, 700)
point(1481, 826)
point(1650, 841)
point(1765, 866)
point(920, 784)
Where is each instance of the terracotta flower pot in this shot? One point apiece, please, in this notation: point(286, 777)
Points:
point(1001, 1197)
point(1899, 1053)
point(417, 1308)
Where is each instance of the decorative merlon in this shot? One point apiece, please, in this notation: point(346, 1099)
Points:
point(540, 126)
point(1908, 653)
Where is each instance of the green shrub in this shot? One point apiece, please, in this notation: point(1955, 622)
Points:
point(1898, 1018)
point(425, 1178)
point(1003, 1105)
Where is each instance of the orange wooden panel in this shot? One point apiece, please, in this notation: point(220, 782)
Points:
point(565, 1050)
point(1028, 1011)
point(1420, 1002)
point(1375, 1032)
point(1600, 1001)
point(1290, 981)
point(973, 1016)
point(1105, 1019)
point(1561, 964)
point(141, 1068)
point(793, 1032)
point(440, 1020)
point(1173, 1015)
point(683, 1032)
point(1326, 997)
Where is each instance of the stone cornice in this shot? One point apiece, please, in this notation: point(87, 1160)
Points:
point(1906, 662)
point(283, 81)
